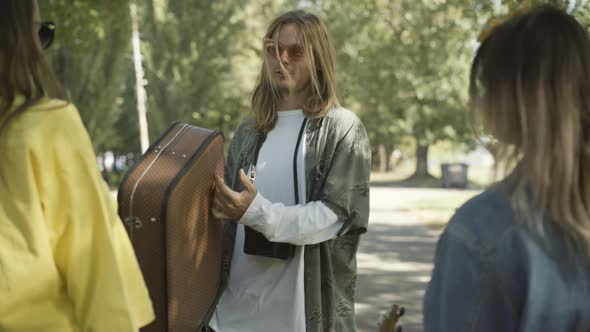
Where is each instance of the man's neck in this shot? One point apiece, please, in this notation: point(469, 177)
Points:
point(292, 102)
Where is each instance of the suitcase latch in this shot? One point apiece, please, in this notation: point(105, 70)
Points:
point(133, 223)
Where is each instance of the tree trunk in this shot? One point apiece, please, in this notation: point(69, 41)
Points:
point(139, 79)
point(389, 163)
point(382, 158)
point(421, 161)
point(374, 160)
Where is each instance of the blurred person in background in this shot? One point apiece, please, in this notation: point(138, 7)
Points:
point(66, 263)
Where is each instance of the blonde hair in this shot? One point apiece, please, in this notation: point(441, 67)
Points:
point(530, 87)
point(319, 50)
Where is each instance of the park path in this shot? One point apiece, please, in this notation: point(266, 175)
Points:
point(395, 257)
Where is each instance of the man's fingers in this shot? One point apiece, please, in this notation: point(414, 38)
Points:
point(218, 215)
point(228, 204)
point(248, 185)
point(223, 189)
point(220, 198)
point(218, 181)
point(217, 210)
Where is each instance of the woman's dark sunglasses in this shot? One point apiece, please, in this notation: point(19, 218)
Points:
point(46, 34)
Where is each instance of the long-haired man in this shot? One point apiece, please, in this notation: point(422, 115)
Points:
point(295, 193)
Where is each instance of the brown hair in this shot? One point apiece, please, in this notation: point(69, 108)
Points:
point(530, 86)
point(23, 71)
point(319, 49)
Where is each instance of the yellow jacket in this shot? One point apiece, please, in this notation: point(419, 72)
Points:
point(66, 263)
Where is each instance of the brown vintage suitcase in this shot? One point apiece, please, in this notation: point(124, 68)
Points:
point(164, 202)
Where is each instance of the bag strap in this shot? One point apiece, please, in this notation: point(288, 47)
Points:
point(261, 140)
point(295, 182)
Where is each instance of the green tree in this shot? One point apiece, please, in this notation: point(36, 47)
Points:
point(437, 59)
point(90, 58)
point(404, 65)
point(200, 59)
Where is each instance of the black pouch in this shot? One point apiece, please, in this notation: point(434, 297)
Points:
point(256, 244)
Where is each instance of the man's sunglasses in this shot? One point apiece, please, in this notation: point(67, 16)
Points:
point(296, 52)
point(46, 34)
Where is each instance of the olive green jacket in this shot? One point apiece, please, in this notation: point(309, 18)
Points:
point(337, 160)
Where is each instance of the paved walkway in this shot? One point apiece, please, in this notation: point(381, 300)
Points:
point(395, 257)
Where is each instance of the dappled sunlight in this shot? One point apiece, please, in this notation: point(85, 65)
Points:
point(394, 266)
point(371, 263)
point(395, 257)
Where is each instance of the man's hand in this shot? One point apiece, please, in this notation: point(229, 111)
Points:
point(228, 204)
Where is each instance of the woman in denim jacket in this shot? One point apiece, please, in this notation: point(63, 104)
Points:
point(517, 257)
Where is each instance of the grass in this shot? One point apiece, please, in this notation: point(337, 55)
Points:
point(434, 203)
point(425, 198)
point(435, 213)
point(479, 177)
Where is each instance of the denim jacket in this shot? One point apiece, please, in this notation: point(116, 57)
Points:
point(493, 273)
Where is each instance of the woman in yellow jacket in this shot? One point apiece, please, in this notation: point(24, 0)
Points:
point(66, 263)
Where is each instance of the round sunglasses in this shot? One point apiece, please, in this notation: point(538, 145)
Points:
point(46, 34)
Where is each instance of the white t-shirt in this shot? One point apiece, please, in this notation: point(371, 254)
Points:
point(267, 294)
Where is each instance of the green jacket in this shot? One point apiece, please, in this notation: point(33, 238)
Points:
point(337, 160)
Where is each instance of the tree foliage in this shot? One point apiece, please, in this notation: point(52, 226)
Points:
point(401, 65)
point(91, 57)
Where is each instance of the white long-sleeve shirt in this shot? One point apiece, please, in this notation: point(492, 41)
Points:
point(267, 294)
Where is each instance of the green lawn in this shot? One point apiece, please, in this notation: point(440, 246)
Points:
point(479, 177)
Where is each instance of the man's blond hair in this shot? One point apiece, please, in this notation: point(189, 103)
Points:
point(318, 48)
